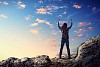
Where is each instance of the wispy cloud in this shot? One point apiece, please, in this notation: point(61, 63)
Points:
point(53, 45)
point(71, 15)
point(2, 16)
point(34, 31)
point(50, 42)
point(49, 9)
point(64, 12)
point(81, 30)
point(21, 4)
point(77, 6)
point(80, 36)
point(39, 21)
point(53, 32)
point(43, 11)
point(94, 9)
point(49, 24)
point(28, 17)
point(83, 24)
point(34, 24)
point(90, 28)
point(41, 1)
point(4, 3)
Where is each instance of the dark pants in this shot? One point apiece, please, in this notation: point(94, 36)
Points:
point(63, 41)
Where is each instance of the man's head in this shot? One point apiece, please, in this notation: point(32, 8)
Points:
point(64, 25)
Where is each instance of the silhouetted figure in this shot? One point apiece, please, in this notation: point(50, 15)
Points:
point(65, 38)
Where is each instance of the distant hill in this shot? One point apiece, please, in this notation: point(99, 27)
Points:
point(88, 55)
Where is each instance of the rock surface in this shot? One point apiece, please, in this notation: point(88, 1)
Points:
point(88, 55)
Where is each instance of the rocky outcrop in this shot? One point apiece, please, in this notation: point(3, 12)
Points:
point(88, 55)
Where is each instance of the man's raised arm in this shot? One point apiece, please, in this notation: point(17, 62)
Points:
point(71, 24)
point(59, 25)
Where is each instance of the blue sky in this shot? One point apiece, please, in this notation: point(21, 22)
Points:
point(29, 27)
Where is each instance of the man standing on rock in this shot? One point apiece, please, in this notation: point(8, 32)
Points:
point(65, 38)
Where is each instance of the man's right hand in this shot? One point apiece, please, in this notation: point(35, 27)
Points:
point(71, 20)
point(58, 20)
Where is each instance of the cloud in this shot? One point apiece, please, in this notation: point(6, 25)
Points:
point(94, 9)
point(2, 16)
point(39, 21)
point(84, 30)
point(28, 17)
point(64, 12)
point(49, 41)
point(79, 31)
point(83, 24)
point(43, 11)
point(41, 2)
point(53, 45)
point(21, 4)
point(34, 31)
point(4, 3)
point(34, 24)
point(90, 28)
point(49, 9)
point(59, 15)
point(80, 36)
point(77, 6)
point(71, 15)
point(53, 32)
point(48, 23)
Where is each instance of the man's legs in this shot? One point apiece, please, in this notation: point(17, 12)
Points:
point(61, 48)
point(68, 49)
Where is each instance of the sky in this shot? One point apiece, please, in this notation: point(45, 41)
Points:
point(29, 27)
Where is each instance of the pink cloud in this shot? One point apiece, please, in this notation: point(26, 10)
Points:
point(90, 28)
point(80, 30)
point(77, 6)
point(83, 24)
point(84, 30)
point(53, 45)
point(80, 36)
point(49, 40)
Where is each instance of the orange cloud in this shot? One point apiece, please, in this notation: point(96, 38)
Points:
point(34, 24)
point(34, 31)
point(53, 45)
point(53, 32)
point(40, 21)
point(50, 40)
point(77, 6)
